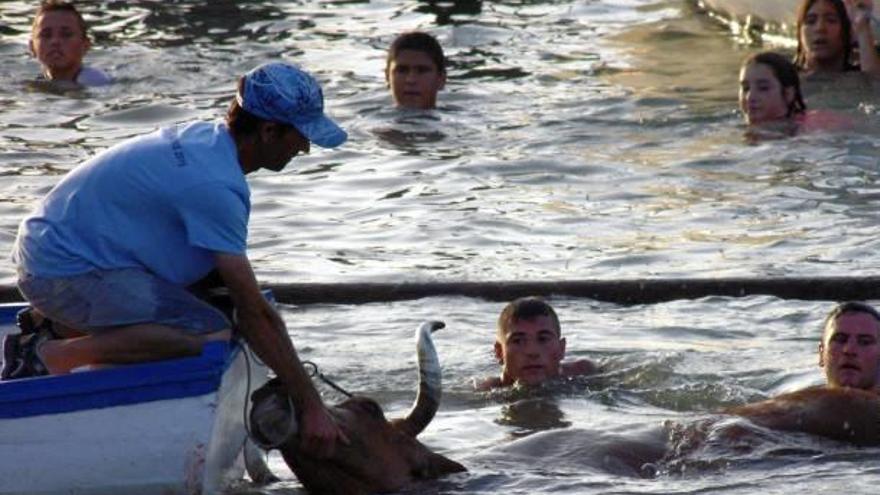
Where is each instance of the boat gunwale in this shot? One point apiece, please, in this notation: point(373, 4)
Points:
point(116, 385)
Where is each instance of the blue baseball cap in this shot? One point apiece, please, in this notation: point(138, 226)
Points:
point(284, 93)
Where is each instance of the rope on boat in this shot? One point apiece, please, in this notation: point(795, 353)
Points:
point(633, 291)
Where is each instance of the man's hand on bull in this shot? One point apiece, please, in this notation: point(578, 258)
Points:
point(319, 432)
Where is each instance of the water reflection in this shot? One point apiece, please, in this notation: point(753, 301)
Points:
point(182, 23)
point(719, 444)
point(68, 89)
point(603, 139)
point(535, 408)
point(531, 415)
point(446, 11)
point(844, 92)
point(412, 132)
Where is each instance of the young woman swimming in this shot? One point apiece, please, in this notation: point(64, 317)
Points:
point(827, 30)
point(769, 89)
point(771, 100)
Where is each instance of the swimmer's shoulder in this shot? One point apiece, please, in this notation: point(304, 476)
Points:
point(824, 121)
point(91, 76)
point(579, 367)
point(487, 384)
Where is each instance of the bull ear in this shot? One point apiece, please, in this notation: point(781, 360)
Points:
point(438, 465)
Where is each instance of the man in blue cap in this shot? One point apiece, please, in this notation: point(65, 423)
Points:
point(106, 259)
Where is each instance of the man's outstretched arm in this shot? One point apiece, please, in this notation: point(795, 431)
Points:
point(266, 333)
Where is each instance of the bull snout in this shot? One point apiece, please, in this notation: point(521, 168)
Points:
point(272, 418)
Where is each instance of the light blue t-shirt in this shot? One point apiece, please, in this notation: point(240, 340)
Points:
point(90, 76)
point(164, 202)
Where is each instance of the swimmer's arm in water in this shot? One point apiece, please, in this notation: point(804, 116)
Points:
point(843, 414)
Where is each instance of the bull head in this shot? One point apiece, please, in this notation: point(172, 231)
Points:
point(383, 456)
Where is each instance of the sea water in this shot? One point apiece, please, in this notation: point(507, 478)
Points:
point(574, 140)
point(667, 368)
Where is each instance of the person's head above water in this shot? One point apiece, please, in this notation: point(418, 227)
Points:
point(528, 342)
point(59, 39)
point(277, 112)
point(824, 34)
point(850, 347)
point(415, 70)
point(769, 89)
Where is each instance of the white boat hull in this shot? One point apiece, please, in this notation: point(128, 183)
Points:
point(138, 442)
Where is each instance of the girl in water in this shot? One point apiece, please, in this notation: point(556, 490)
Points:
point(836, 36)
point(770, 92)
point(771, 100)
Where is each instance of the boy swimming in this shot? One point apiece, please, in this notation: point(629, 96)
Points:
point(530, 347)
point(415, 70)
point(59, 40)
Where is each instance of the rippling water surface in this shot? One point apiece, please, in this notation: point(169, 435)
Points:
point(667, 369)
point(591, 139)
point(575, 139)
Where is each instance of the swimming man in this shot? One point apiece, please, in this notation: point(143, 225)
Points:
point(530, 347)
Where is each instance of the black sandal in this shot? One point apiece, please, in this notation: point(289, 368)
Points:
point(24, 319)
point(11, 359)
point(30, 364)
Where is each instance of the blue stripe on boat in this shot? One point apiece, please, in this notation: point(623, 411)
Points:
point(117, 386)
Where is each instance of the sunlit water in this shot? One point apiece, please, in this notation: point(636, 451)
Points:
point(667, 368)
point(575, 139)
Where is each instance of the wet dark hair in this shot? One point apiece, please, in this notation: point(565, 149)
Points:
point(800, 58)
point(419, 41)
point(848, 307)
point(787, 75)
point(243, 123)
point(526, 308)
point(60, 6)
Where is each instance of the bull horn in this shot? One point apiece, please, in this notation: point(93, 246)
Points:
point(255, 464)
point(272, 419)
point(430, 388)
